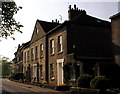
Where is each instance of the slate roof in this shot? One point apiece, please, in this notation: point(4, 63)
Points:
point(115, 16)
point(89, 20)
point(24, 45)
point(85, 20)
point(27, 44)
point(47, 26)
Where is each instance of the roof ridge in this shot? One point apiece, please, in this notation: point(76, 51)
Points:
point(115, 15)
point(47, 22)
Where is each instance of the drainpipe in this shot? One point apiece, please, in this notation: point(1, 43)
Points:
point(81, 68)
point(98, 69)
point(74, 74)
point(73, 70)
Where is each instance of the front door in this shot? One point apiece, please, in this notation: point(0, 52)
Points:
point(60, 71)
point(35, 72)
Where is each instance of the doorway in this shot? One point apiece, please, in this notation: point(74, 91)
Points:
point(60, 71)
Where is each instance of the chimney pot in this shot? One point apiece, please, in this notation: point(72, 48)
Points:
point(69, 7)
point(56, 20)
point(52, 21)
point(75, 7)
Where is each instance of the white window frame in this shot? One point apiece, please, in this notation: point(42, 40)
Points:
point(60, 43)
point(37, 30)
point(41, 50)
point(52, 46)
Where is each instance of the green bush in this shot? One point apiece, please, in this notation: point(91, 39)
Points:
point(18, 76)
point(84, 81)
point(100, 82)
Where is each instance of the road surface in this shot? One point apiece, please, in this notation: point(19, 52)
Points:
point(10, 87)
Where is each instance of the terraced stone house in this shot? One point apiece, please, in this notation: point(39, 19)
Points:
point(61, 52)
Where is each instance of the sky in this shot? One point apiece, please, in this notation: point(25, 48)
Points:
point(48, 10)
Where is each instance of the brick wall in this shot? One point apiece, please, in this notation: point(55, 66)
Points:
point(115, 23)
point(52, 59)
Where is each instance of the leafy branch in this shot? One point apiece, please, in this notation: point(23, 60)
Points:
point(8, 24)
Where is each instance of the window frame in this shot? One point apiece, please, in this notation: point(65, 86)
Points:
point(41, 50)
point(60, 44)
point(32, 54)
point(36, 52)
point(52, 47)
point(28, 56)
point(24, 69)
point(25, 57)
point(52, 71)
point(37, 30)
point(41, 73)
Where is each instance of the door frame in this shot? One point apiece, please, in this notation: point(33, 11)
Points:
point(34, 72)
point(58, 78)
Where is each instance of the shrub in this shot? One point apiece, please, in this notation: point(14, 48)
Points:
point(18, 76)
point(72, 82)
point(11, 76)
point(100, 82)
point(84, 81)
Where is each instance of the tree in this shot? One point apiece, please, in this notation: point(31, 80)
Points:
point(5, 67)
point(8, 24)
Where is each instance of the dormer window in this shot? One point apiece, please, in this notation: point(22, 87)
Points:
point(37, 31)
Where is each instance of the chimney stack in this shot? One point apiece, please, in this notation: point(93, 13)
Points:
point(72, 12)
point(56, 21)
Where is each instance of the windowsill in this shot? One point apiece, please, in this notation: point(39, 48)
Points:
point(60, 52)
point(52, 79)
point(52, 54)
point(41, 78)
point(41, 57)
